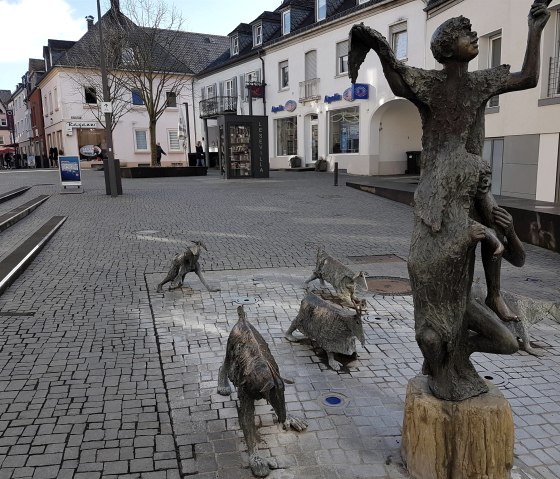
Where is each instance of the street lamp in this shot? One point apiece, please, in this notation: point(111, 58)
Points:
point(110, 171)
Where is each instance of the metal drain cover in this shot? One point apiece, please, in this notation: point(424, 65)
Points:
point(333, 400)
point(245, 300)
point(372, 318)
point(496, 378)
point(388, 285)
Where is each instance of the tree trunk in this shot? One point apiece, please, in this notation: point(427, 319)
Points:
point(153, 143)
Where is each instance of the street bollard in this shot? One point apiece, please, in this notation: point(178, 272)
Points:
point(336, 173)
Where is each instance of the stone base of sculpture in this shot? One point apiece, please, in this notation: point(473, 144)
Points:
point(469, 439)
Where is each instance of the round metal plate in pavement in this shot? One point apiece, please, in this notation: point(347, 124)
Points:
point(388, 285)
point(333, 400)
point(373, 318)
point(245, 300)
point(495, 378)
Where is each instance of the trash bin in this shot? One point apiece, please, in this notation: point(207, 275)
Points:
point(413, 162)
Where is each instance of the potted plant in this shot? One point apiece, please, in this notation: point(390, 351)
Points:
point(295, 162)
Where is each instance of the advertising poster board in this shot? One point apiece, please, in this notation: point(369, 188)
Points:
point(70, 173)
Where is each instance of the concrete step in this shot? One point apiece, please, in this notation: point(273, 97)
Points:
point(12, 217)
point(13, 193)
point(17, 261)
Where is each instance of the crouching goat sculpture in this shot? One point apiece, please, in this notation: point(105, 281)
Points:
point(250, 366)
point(342, 278)
point(184, 263)
point(332, 328)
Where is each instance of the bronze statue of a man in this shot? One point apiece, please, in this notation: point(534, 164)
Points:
point(452, 101)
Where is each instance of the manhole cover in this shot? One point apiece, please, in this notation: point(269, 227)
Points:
point(388, 285)
point(377, 258)
point(494, 377)
point(245, 300)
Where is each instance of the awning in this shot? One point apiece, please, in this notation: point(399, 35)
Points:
point(6, 149)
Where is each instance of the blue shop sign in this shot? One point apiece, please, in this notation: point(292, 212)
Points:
point(290, 106)
point(276, 109)
point(358, 91)
point(335, 97)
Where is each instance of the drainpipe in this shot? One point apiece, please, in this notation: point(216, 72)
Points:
point(194, 119)
point(263, 81)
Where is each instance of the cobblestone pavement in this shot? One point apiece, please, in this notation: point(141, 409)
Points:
point(103, 377)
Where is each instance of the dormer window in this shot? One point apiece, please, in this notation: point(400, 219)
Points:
point(362, 1)
point(235, 45)
point(321, 9)
point(286, 22)
point(257, 35)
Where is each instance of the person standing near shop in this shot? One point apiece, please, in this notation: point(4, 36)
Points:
point(159, 152)
point(199, 154)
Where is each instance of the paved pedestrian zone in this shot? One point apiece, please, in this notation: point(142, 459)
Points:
point(103, 377)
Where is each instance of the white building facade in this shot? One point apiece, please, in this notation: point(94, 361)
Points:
point(22, 119)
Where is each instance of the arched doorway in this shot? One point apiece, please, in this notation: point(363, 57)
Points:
point(396, 128)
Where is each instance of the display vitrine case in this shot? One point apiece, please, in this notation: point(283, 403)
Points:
point(243, 146)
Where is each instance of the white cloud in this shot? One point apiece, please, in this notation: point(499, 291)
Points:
point(28, 24)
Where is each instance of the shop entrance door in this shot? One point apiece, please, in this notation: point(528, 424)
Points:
point(312, 143)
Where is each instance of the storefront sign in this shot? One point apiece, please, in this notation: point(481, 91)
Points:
point(69, 168)
point(290, 106)
point(335, 97)
point(82, 124)
point(358, 91)
point(276, 109)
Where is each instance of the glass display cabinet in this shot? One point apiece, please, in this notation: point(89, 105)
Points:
point(243, 146)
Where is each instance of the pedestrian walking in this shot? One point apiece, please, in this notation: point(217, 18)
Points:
point(159, 152)
point(200, 154)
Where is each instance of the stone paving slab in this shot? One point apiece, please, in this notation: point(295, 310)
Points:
point(359, 440)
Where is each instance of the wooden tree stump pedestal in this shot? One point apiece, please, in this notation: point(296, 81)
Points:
point(471, 439)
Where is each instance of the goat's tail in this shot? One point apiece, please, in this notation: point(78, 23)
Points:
point(241, 314)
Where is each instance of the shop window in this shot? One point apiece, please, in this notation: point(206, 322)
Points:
point(286, 136)
point(171, 99)
point(284, 76)
point(342, 57)
point(344, 127)
point(90, 95)
point(141, 140)
point(137, 97)
point(399, 40)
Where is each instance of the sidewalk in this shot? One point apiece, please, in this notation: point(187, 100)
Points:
point(103, 377)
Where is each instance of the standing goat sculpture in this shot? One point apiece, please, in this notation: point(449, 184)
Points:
point(342, 278)
point(250, 366)
point(334, 329)
point(184, 263)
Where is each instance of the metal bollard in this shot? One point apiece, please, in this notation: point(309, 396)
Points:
point(336, 173)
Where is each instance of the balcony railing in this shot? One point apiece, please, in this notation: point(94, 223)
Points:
point(309, 90)
point(554, 78)
point(218, 105)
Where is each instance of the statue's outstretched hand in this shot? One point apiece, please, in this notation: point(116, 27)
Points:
point(360, 42)
point(539, 15)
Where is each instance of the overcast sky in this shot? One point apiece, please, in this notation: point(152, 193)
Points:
point(28, 24)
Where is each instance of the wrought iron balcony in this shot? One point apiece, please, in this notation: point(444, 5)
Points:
point(309, 90)
point(554, 78)
point(218, 105)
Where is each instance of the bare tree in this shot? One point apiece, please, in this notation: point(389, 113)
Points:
point(154, 54)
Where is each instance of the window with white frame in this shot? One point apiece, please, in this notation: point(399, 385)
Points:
point(286, 136)
point(3, 122)
point(344, 128)
point(321, 9)
point(284, 75)
point(55, 99)
point(342, 57)
point(173, 140)
point(137, 97)
point(253, 77)
point(141, 140)
point(229, 88)
point(235, 45)
point(90, 95)
point(399, 40)
point(286, 22)
point(127, 55)
point(495, 60)
point(257, 34)
point(211, 91)
point(171, 99)
point(363, 1)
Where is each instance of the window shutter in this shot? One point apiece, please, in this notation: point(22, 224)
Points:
point(234, 88)
point(243, 90)
point(342, 49)
point(311, 65)
point(258, 76)
point(221, 88)
point(203, 93)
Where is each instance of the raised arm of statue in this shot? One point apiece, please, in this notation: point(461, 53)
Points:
point(362, 39)
point(528, 77)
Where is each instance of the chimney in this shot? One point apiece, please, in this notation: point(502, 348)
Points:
point(89, 20)
point(116, 5)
